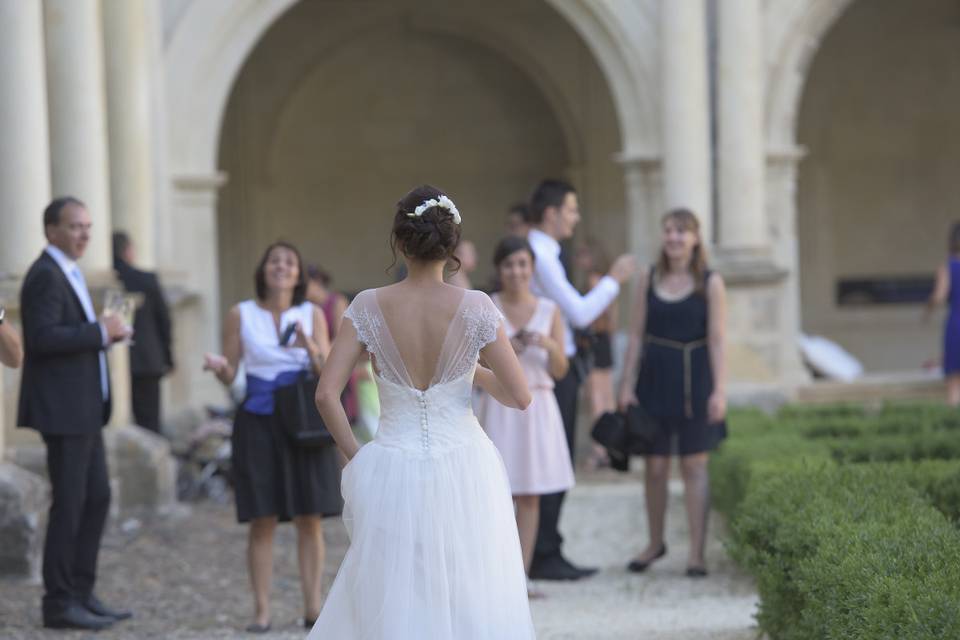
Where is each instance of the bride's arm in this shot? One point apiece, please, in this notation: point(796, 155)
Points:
point(504, 380)
point(333, 378)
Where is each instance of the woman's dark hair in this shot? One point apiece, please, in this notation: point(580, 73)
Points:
point(316, 273)
point(549, 193)
point(430, 236)
point(686, 220)
point(260, 276)
point(509, 246)
point(955, 239)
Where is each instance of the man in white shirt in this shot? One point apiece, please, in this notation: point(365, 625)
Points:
point(554, 214)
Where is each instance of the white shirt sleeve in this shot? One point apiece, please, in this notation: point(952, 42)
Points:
point(580, 310)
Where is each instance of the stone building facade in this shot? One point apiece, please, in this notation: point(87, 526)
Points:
point(815, 138)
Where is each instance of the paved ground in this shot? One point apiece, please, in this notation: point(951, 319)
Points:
point(186, 579)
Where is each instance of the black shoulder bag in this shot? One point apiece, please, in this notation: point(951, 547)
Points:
point(298, 415)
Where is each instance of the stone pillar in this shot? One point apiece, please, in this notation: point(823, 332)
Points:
point(194, 207)
point(78, 117)
point(643, 179)
point(742, 218)
point(25, 163)
point(686, 110)
point(130, 104)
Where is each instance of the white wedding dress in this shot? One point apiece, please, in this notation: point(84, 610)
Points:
point(434, 551)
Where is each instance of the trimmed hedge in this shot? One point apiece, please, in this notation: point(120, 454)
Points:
point(847, 519)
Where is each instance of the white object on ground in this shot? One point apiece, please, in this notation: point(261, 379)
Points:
point(829, 359)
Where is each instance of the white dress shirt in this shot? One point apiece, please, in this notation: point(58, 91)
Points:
point(75, 277)
point(550, 281)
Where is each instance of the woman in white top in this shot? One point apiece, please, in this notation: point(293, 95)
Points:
point(434, 552)
point(276, 480)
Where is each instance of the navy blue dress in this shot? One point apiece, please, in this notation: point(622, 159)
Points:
point(951, 330)
point(676, 380)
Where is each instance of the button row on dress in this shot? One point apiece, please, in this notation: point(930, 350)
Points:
point(424, 431)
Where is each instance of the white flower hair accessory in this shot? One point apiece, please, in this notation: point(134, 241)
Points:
point(443, 202)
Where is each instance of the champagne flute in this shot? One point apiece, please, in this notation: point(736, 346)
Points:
point(117, 303)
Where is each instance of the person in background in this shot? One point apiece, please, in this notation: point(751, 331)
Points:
point(518, 220)
point(554, 214)
point(11, 351)
point(466, 253)
point(320, 292)
point(946, 290)
point(277, 335)
point(151, 355)
point(532, 443)
point(675, 369)
point(592, 262)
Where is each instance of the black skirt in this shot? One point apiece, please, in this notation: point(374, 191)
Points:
point(274, 478)
point(602, 346)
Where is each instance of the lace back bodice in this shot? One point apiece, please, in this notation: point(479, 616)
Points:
point(440, 416)
point(474, 326)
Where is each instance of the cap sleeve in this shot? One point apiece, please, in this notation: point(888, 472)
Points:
point(489, 318)
point(359, 312)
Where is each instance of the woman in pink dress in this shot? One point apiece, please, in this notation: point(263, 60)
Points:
point(531, 442)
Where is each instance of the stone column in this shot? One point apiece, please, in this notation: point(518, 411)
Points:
point(742, 219)
point(686, 109)
point(130, 104)
point(199, 322)
point(643, 179)
point(25, 160)
point(78, 117)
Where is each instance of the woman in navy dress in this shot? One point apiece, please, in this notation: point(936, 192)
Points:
point(947, 290)
point(675, 369)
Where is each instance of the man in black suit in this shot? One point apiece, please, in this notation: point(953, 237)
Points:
point(150, 357)
point(65, 395)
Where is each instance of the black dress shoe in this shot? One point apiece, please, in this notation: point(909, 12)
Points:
point(76, 616)
point(585, 572)
point(95, 606)
point(308, 623)
point(557, 567)
point(639, 566)
point(697, 572)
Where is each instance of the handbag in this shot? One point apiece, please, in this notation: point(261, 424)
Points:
point(298, 415)
point(623, 434)
point(642, 430)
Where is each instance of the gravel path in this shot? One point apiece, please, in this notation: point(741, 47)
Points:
point(185, 578)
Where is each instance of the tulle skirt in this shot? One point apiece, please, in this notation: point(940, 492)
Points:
point(434, 551)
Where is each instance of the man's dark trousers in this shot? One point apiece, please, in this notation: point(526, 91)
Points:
point(146, 402)
point(77, 467)
point(549, 539)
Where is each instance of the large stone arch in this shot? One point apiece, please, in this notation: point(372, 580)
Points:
point(212, 39)
point(794, 30)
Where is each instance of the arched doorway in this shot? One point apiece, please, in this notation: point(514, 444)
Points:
point(341, 108)
point(877, 189)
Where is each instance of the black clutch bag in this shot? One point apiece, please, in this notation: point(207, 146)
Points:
point(298, 415)
point(642, 430)
point(610, 430)
point(626, 434)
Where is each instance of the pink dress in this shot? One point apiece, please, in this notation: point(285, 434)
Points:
point(532, 443)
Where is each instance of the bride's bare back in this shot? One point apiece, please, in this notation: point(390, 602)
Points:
point(419, 318)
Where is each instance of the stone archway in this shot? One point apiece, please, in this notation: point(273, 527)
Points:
point(367, 102)
point(842, 92)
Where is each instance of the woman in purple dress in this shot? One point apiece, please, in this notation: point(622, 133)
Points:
point(947, 290)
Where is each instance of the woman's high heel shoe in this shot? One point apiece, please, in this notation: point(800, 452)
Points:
point(639, 566)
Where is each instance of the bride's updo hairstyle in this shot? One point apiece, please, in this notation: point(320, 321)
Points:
point(432, 235)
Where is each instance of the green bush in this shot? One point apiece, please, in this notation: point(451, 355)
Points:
point(848, 552)
point(847, 519)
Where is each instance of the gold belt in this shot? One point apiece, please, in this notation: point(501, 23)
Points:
point(687, 348)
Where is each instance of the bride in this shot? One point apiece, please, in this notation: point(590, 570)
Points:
point(434, 550)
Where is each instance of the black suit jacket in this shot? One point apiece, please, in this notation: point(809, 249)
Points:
point(150, 354)
point(60, 390)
